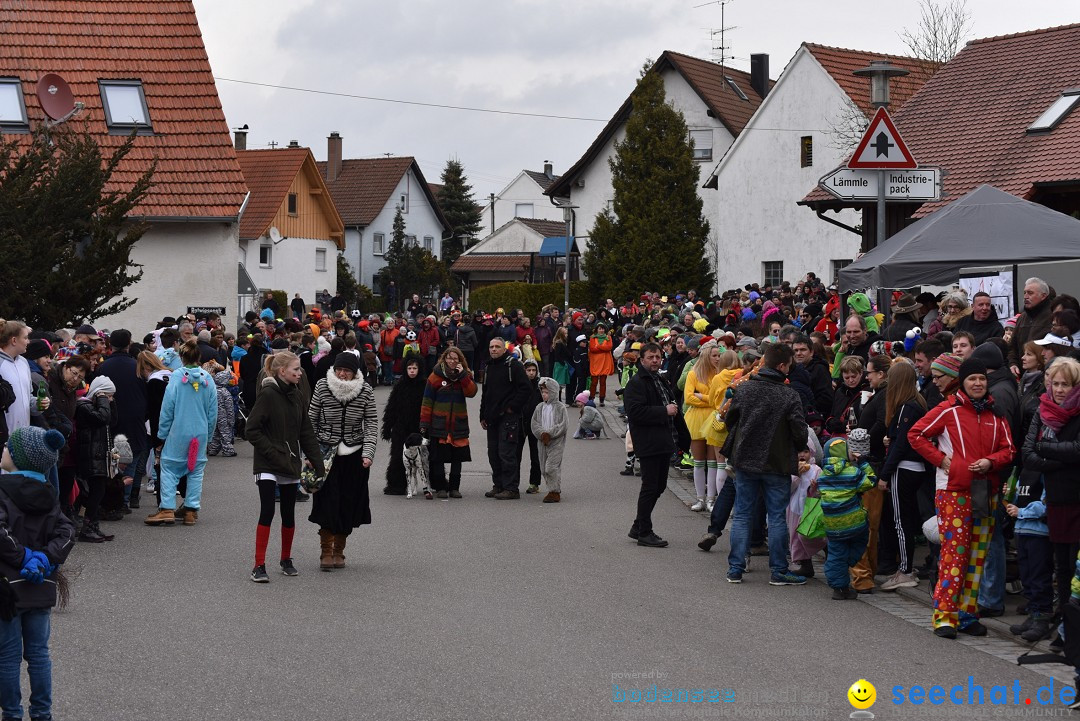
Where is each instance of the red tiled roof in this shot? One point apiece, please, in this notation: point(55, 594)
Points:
point(708, 81)
point(158, 43)
point(840, 63)
point(971, 117)
point(519, 262)
point(546, 228)
point(363, 187)
point(269, 175)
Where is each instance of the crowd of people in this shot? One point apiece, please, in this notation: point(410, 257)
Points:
point(804, 419)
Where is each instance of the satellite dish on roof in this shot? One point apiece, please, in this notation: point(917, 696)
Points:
point(56, 98)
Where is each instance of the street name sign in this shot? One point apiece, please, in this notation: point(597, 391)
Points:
point(922, 184)
point(881, 146)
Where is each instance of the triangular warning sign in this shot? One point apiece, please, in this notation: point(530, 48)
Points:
point(881, 146)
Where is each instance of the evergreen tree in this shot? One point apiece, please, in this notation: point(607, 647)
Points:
point(413, 269)
point(456, 201)
point(656, 237)
point(354, 292)
point(65, 246)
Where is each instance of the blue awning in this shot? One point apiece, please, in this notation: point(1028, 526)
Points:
point(555, 246)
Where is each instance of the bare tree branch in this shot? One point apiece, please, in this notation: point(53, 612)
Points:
point(942, 29)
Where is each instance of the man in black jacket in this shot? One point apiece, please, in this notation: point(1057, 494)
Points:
point(506, 388)
point(820, 380)
point(766, 431)
point(650, 409)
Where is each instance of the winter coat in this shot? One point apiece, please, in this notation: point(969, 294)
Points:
point(821, 385)
point(506, 388)
point(1033, 324)
point(443, 411)
point(601, 362)
point(401, 416)
point(1056, 456)
point(590, 419)
point(156, 386)
point(897, 330)
point(16, 371)
point(555, 428)
point(465, 338)
point(544, 336)
point(967, 436)
point(507, 332)
point(95, 423)
point(130, 398)
point(766, 425)
point(900, 449)
point(862, 350)
point(279, 429)
point(845, 399)
point(344, 412)
point(188, 414)
point(872, 418)
point(531, 403)
point(645, 400)
point(250, 365)
point(983, 330)
point(386, 345)
point(840, 485)
point(30, 517)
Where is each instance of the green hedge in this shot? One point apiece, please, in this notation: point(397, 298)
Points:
point(529, 297)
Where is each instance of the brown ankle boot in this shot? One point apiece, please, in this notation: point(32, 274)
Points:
point(326, 544)
point(339, 547)
point(191, 516)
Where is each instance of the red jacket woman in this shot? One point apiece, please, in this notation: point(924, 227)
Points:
point(974, 445)
point(601, 362)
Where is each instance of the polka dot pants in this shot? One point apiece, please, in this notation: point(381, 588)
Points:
point(964, 541)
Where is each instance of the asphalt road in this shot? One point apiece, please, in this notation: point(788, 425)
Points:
point(474, 609)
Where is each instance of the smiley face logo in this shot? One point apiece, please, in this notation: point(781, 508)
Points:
point(862, 694)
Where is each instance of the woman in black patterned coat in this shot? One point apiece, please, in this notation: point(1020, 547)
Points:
point(401, 417)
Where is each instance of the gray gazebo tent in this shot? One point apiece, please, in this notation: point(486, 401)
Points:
point(986, 227)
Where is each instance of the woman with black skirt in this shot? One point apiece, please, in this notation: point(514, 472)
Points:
point(401, 418)
point(342, 412)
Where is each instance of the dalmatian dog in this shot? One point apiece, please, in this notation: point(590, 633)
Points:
point(415, 457)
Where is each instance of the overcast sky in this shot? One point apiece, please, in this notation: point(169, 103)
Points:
point(551, 57)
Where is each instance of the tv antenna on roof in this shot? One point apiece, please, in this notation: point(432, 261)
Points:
point(719, 52)
point(56, 99)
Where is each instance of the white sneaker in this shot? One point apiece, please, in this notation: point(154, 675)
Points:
point(900, 580)
point(699, 506)
point(709, 503)
point(151, 487)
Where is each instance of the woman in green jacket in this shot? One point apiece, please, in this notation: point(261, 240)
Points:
point(279, 429)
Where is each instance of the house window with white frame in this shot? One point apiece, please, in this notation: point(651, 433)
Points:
point(125, 105)
point(703, 144)
point(378, 243)
point(403, 202)
point(266, 256)
point(320, 259)
point(410, 240)
point(772, 272)
point(429, 243)
point(524, 210)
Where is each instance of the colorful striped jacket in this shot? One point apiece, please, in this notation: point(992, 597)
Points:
point(443, 412)
point(840, 484)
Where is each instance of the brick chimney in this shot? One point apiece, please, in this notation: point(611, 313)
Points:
point(294, 143)
point(240, 138)
point(333, 156)
point(548, 169)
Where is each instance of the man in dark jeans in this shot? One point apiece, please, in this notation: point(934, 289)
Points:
point(649, 413)
point(767, 429)
point(506, 388)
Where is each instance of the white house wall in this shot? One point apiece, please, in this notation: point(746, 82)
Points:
point(514, 238)
point(293, 266)
point(757, 218)
point(420, 220)
point(522, 189)
point(597, 192)
point(183, 264)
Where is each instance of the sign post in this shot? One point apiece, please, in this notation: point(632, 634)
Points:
point(921, 184)
point(881, 148)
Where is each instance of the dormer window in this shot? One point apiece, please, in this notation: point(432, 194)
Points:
point(12, 107)
point(1056, 112)
point(125, 105)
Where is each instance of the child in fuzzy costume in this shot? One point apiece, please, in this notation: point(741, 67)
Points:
point(591, 424)
point(225, 428)
point(844, 478)
point(803, 486)
point(188, 417)
point(549, 424)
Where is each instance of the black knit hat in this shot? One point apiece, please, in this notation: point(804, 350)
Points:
point(37, 348)
point(348, 361)
point(971, 367)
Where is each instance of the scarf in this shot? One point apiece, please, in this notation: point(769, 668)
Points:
point(1055, 416)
